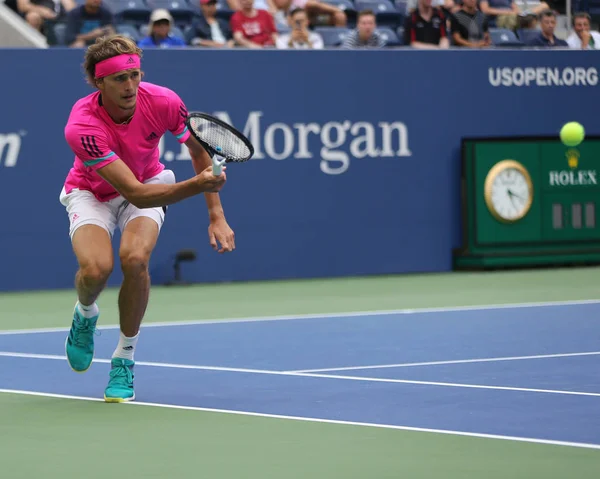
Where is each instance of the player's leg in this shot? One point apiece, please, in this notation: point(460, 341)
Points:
point(137, 244)
point(140, 228)
point(138, 241)
point(93, 250)
point(91, 227)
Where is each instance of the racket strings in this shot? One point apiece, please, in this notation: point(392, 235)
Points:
point(215, 136)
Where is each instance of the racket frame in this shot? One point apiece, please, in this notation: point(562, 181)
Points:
point(217, 158)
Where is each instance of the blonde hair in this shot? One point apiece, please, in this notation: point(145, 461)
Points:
point(105, 48)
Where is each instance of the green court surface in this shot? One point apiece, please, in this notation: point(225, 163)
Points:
point(260, 299)
point(57, 437)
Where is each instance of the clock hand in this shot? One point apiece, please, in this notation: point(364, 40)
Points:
point(517, 196)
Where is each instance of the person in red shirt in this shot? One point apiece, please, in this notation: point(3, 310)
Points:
point(253, 28)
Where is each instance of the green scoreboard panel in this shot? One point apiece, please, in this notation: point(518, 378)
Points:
point(529, 201)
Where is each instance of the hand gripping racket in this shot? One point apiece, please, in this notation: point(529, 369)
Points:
point(223, 142)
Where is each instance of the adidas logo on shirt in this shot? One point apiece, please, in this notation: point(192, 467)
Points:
point(151, 136)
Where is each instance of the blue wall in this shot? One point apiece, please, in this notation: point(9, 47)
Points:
point(374, 189)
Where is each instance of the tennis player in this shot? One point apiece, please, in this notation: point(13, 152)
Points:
point(117, 180)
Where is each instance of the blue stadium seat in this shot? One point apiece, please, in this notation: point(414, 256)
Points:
point(502, 37)
point(389, 36)
point(133, 12)
point(188, 34)
point(526, 34)
point(385, 12)
point(332, 36)
point(401, 6)
point(129, 31)
point(400, 33)
point(180, 10)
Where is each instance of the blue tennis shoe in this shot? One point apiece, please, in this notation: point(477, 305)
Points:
point(80, 342)
point(120, 384)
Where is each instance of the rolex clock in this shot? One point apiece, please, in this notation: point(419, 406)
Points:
point(508, 191)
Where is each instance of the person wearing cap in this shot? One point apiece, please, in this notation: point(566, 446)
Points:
point(159, 31)
point(210, 31)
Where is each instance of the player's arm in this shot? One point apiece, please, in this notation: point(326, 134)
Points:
point(143, 195)
point(201, 160)
point(219, 231)
point(89, 143)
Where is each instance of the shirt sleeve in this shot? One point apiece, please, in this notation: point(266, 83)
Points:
point(536, 41)
point(443, 30)
point(350, 40)
point(317, 41)
point(90, 145)
point(270, 23)
point(177, 113)
point(236, 23)
point(146, 42)
point(455, 26)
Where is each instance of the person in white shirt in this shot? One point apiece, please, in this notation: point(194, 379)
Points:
point(582, 38)
point(300, 36)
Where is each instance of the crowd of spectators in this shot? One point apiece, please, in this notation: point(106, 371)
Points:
point(299, 24)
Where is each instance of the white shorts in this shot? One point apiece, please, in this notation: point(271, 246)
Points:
point(84, 209)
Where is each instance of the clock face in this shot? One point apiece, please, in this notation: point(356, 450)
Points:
point(509, 195)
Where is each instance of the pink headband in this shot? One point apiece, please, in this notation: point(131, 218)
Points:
point(117, 64)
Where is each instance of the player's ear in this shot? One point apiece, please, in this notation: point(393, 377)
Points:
point(141, 74)
point(100, 84)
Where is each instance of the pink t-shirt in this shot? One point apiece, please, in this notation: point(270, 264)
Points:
point(97, 140)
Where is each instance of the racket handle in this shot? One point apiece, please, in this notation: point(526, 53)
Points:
point(218, 162)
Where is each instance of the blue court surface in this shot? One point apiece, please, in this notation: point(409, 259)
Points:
point(523, 371)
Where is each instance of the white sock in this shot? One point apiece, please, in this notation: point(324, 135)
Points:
point(126, 347)
point(88, 311)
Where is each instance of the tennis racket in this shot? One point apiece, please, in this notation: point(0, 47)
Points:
point(223, 142)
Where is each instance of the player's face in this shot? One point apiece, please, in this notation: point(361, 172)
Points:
point(121, 88)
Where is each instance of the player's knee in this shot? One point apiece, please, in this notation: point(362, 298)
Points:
point(96, 273)
point(134, 262)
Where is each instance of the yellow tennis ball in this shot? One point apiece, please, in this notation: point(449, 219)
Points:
point(572, 133)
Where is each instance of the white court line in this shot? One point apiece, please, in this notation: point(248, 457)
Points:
point(313, 375)
point(349, 314)
point(9, 354)
point(455, 361)
point(313, 419)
